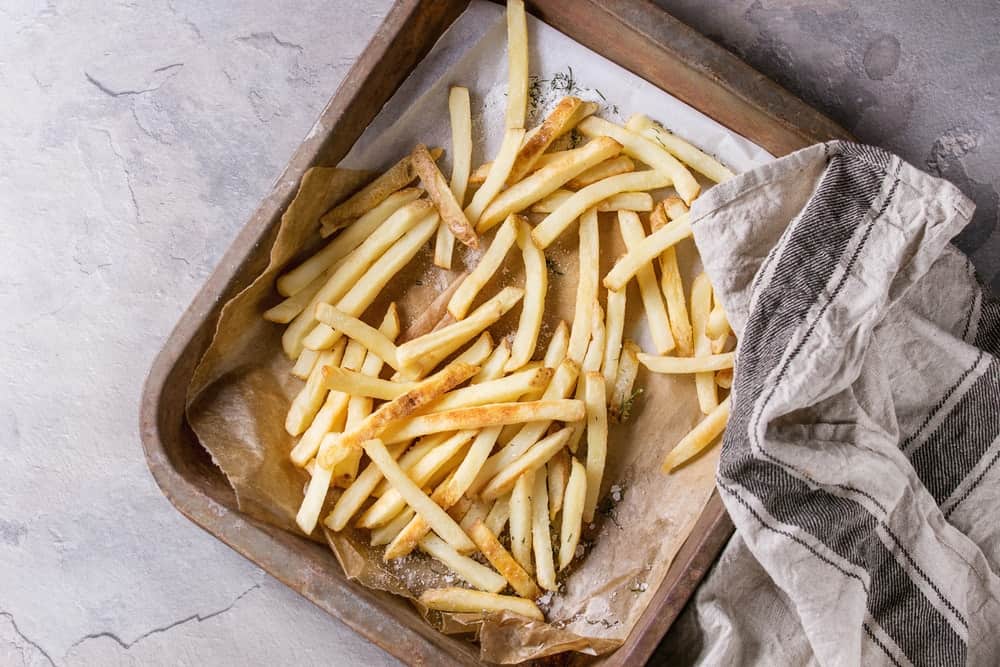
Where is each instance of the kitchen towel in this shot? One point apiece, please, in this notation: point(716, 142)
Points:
point(860, 460)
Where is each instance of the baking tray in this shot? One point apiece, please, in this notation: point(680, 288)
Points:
point(633, 33)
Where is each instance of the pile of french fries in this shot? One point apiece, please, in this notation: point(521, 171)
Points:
point(474, 451)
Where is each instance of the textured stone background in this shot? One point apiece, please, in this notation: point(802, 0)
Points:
point(135, 140)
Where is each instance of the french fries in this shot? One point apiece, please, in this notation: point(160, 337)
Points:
point(397, 177)
point(488, 264)
point(487, 542)
point(649, 152)
point(498, 176)
point(541, 543)
point(678, 365)
point(442, 196)
point(700, 437)
point(625, 201)
point(684, 151)
point(468, 601)
point(573, 508)
point(701, 305)
point(536, 282)
point(459, 109)
point(547, 180)
point(650, 248)
point(549, 229)
point(670, 277)
point(649, 290)
point(564, 117)
point(414, 454)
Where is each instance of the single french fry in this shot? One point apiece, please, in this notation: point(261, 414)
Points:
point(623, 201)
point(310, 398)
point(312, 503)
point(289, 308)
point(724, 378)
point(546, 180)
point(469, 601)
point(399, 408)
point(670, 278)
point(613, 330)
point(437, 189)
point(700, 437)
point(651, 247)
point(622, 397)
point(498, 176)
point(534, 458)
point(558, 472)
point(473, 572)
point(520, 520)
point(501, 390)
point(504, 563)
point(412, 351)
point(690, 155)
point(558, 345)
point(460, 111)
point(385, 239)
point(677, 365)
point(622, 164)
point(305, 273)
point(541, 543)
point(305, 363)
point(652, 299)
point(354, 383)
point(357, 493)
point(492, 368)
point(717, 325)
point(517, 64)
point(572, 517)
point(482, 416)
point(387, 533)
point(497, 517)
point(597, 441)
point(488, 264)
point(549, 229)
point(477, 512)
point(398, 176)
point(536, 285)
point(701, 306)
point(560, 387)
point(586, 286)
point(567, 113)
point(642, 149)
point(437, 518)
point(362, 332)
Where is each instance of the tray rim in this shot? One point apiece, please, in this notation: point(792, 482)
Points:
point(245, 535)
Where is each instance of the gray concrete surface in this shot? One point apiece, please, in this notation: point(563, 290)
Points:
point(136, 138)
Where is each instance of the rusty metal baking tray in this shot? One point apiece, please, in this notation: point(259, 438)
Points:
point(633, 33)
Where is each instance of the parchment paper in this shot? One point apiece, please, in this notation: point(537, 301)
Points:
point(241, 390)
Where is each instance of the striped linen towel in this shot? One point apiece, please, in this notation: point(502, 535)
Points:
point(860, 460)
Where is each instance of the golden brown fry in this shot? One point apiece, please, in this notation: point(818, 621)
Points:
point(568, 112)
point(395, 410)
point(500, 390)
point(700, 437)
point(536, 285)
point(612, 167)
point(677, 365)
point(469, 601)
point(442, 196)
point(504, 563)
point(398, 176)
